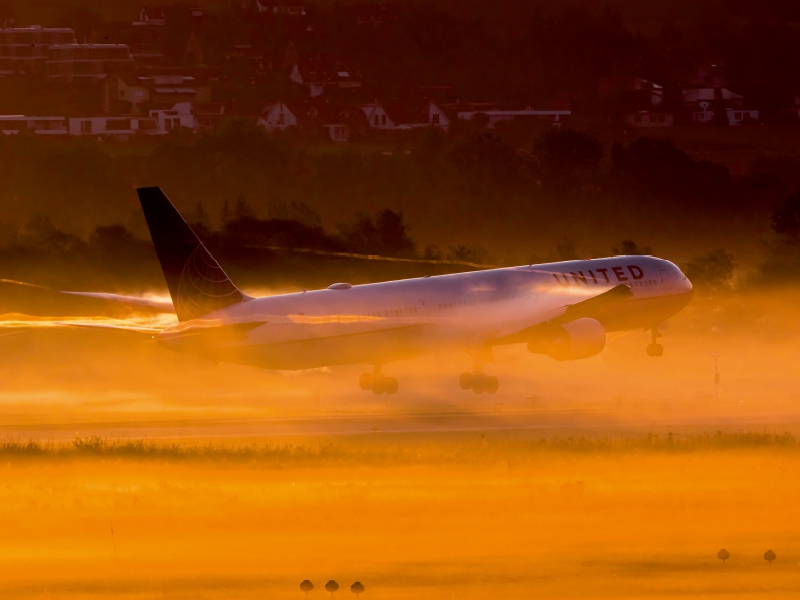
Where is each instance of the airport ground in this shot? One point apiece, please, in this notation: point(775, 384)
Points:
point(620, 476)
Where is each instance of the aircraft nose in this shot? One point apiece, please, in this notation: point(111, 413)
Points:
point(684, 284)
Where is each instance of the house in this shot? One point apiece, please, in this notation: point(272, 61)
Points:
point(152, 15)
point(318, 74)
point(376, 115)
point(277, 116)
point(67, 62)
point(494, 116)
point(337, 122)
point(409, 115)
point(13, 124)
point(119, 128)
point(705, 103)
point(161, 89)
point(733, 116)
point(180, 115)
point(431, 115)
point(24, 49)
point(647, 119)
point(738, 117)
point(210, 114)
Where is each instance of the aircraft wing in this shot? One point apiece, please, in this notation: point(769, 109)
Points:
point(592, 308)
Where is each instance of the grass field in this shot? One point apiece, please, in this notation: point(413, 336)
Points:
point(423, 516)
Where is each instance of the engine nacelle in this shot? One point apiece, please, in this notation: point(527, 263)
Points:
point(581, 338)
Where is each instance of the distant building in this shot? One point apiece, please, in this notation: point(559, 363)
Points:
point(648, 119)
point(180, 115)
point(318, 75)
point(733, 116)
point(23, 50)
point(147, 35)
point(153, 89)
point(277, 116)
point(417, 114)
point(13, 124)
point(377, 118)
point(68, 62)
point(337, 122)
point(152, 15)
point(494, 116)
point(211, 114)
point(431, 115)
point(119, 128)
point(705, 103)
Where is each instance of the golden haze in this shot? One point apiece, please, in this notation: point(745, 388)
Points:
point(620, 476)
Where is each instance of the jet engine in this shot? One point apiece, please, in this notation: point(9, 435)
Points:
point(581, 338)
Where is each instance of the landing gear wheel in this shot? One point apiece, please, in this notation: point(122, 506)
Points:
point(378, 383)
point(466, 380)
point(655, 350)
point(365, 381)
point(479, 383)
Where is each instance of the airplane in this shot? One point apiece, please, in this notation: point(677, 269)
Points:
point(563, 310)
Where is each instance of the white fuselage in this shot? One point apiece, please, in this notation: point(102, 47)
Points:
point(380, 322)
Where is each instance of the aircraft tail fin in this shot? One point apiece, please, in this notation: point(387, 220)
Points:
point(196, 282)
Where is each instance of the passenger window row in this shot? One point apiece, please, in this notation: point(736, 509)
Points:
point(448, 305)
point(399, 312)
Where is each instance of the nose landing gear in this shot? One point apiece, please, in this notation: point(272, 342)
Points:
point(655, 349)
point(378, 383)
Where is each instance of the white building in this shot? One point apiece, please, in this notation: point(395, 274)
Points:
point(433, 115)
point(735, 116)
point(180, 115)
point(119, 128)
point(377, 117)
point(13, 124)
point(495, 116)
point(277, 116)
point(648, 119)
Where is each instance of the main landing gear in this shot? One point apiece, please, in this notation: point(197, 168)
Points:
point(377, 382)
point(478, 382)
point(655, 349)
